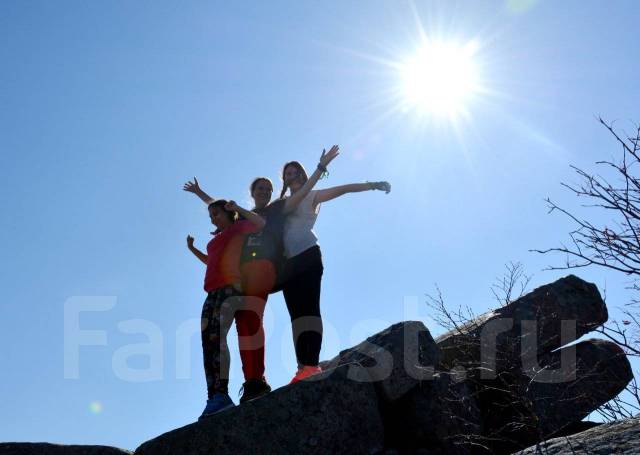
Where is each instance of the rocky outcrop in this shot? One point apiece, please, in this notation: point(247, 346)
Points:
point(499, 384)
point(621, 437)
point(507, 380)
point(527, 389)
point(41, 448)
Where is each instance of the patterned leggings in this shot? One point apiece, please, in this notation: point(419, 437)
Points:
point(221, 307)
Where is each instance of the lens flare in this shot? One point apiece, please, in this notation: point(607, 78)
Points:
point(520, 6)
point(95, 407)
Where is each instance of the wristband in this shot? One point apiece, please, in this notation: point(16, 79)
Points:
point(323, 170)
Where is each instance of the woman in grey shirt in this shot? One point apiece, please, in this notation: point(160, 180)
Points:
point(303, 269)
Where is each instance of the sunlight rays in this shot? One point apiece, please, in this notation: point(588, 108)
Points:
point(440, 78)
point(438, 82)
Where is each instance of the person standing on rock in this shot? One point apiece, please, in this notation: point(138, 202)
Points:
point(260, 261)
point(224, 300)
point(303, 269)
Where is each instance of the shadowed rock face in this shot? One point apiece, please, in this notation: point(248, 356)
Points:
point(41, 448)
point(324, 415)
point(619, 437)
point(601, 372)
point(521, 408)
point(441, 414)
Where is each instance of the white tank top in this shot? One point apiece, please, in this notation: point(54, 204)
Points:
point(298, 228)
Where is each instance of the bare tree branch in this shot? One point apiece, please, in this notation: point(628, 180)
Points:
point(615, 247)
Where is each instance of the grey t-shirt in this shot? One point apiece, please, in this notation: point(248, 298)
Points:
point(298, 228)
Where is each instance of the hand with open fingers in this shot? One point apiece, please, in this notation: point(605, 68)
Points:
point(381, 186)
point(327, 157)
point(231, 206)
point(192, 187)
point(190, 241)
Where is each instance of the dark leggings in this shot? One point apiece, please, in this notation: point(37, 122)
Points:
point(301, 291)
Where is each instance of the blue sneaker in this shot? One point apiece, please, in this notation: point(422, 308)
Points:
point(219, 402)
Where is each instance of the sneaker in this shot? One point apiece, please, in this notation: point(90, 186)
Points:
point(254, 388)
point(305, 372)
point(219, 402)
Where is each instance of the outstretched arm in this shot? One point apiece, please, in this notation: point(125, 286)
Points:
point(248, 215)
point(331, 193)
point(294, 200)
point(197, 253)
point(194, 187)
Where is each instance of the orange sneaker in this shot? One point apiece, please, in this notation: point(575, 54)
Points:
point(305, 372)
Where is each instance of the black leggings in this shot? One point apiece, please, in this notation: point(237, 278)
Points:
point(301, 291)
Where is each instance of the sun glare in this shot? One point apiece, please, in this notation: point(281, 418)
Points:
point(440, 78)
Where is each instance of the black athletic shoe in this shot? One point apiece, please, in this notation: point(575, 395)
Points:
point(254, 388)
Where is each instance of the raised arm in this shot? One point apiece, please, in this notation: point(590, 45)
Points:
point(336, 191)
point(248, 215)
point(196, 252)
point(194, 187)
point(294, 200)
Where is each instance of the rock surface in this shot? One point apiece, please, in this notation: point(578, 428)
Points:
point(621, 437)
point(43, 448)
point(441, 414)
point(398, 358)
point(330, 414)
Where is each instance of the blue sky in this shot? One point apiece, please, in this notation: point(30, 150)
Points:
point(107, 108)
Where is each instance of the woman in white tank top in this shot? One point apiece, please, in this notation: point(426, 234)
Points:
point(303, 269)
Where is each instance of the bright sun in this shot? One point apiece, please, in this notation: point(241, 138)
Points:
point(440, 78)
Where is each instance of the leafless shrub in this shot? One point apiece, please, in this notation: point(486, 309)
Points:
point(615, 246)
point(511, 285)
point(450, 320)
point(506, 393)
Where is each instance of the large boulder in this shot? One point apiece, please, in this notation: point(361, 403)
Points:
point(398, 358)
point(44, 448)
point(543, 320)
point(528, 386)
point(572, 392)
point(330, 414)
point(520, 408)
point(622, 437)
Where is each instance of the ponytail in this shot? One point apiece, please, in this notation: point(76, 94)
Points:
point(284, 190)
